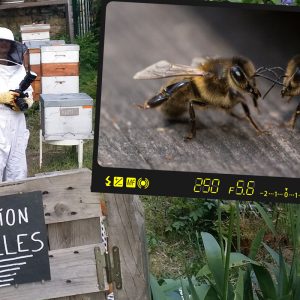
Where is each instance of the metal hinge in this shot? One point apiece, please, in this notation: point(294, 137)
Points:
point(114, 272)
point(100, 265)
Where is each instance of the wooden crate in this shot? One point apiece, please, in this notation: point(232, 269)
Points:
point(72, 215)
point(37, 89)
point(40, 32)
point(60, 69)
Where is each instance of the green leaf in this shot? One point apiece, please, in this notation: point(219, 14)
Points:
point(185, 291)
point(202, 291)
point(212, 294)
point(266, 217)
point(283, 282)
point(248, 289)
point(214, 259)
point(236, 260)
point(170, 285)
point(256, 243)
point(265, 282)
point(273, 253)
point(156, 291)
point(193, 291)
point(239, 289)
point(296, 288)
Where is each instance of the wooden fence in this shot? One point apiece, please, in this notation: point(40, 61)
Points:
point(79, 269)
point(72, 216)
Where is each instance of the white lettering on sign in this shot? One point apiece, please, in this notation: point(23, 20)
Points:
point(37, 240)
point(11, 217)
point(17, 247)
point(23, 239)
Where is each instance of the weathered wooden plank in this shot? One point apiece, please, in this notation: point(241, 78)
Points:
point(74, 233)
point(126, 231)
point(73, 272)
point(98, 296)
point(32, 4)
point(133, 138)
point(66, 195)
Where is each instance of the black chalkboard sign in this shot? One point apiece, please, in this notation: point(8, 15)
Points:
point(23, 239)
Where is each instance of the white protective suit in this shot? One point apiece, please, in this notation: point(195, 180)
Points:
point(13, 132)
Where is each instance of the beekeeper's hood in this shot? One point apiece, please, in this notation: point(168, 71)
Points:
point(17, 49)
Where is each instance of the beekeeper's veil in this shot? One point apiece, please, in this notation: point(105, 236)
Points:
point(17, 49)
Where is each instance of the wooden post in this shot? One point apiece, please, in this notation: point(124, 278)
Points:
point(126, 231)
point(70, 20)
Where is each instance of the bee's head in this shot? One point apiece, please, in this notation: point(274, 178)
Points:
point(287, 91)
point(241, 76)
point(291, 82)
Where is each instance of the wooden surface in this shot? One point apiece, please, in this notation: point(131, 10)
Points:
point(71, 273)
point(72, 215)
point(126, 231)
point(60, 69)
point(66, 197)
point(138, 35)
point(32, 4)
point(75, 233)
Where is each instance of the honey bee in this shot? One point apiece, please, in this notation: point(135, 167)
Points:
point(291, 85)
point(214, 82)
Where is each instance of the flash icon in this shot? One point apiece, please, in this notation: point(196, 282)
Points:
point(107, 181)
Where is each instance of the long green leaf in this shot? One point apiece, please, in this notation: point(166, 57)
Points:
point(265, 282)
point(283, 282)
point(220, 235)
point(211, 294)
point(227, 292)
point(256, 243)
point(248, 289)
point(185, 291)
point(202, 291)
point(265, 217)
point(170, 285)
point(214, 259)
point(239, 289)
point(236, 260)
point(192, 290)
point(296, 288)
point(156, 291)
point(273, 253)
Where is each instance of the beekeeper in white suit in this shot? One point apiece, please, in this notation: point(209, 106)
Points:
point(13, 132)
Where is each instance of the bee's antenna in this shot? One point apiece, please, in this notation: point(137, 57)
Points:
point(268, 78)
point(277, 68)
point(272, 86)
point(262, 70)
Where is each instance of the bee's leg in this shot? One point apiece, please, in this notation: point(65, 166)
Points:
point(248, 115)
point(254, 99)
point(295, 116)
point(164, 95)
point(230, 112)
point(192, 114)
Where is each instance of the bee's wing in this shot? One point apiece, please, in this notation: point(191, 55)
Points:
point(164, 69)
point(198, 61)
